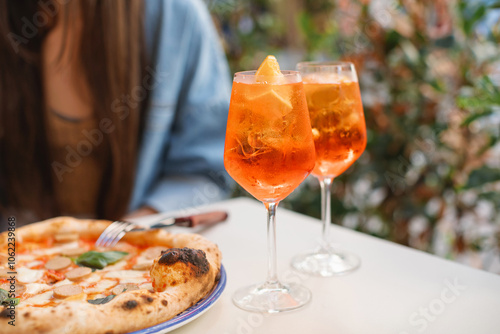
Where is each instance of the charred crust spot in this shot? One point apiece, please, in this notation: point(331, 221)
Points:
point(129, 305)
point(52, 311)
point(164, 302)
point(195, 258)
point(27, 315)
point(109, 332)
point(217, 277)
point(149, 299)
point(173, 283)
point(5, 313)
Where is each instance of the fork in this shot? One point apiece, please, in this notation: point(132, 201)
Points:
point(117, 229)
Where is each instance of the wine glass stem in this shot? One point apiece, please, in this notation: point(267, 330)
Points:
point(272, 275)
point(326, 209)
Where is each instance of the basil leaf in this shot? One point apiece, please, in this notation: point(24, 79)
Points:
point(99, 260)
point(100, 301)
point(4, 295)
point(114, 256)
point(92, 259)
point(5, 300)
point(11, 301)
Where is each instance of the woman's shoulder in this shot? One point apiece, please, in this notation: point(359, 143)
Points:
point(170, 23)
point(176, 20)
point(175, 11)
point(180, 39)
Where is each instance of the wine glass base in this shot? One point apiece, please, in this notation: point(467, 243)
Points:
point(326, 262)
point(271, 297)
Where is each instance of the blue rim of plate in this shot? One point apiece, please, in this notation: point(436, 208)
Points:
point(201, 306)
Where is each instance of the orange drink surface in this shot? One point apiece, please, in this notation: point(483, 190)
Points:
point(269, 148)
point(337, 120)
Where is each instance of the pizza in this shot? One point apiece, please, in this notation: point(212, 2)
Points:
point(61, 283)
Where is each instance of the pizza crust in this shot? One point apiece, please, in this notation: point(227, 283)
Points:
point(129, 311)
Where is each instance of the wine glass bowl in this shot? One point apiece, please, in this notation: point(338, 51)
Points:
point(268, 138)
point(269, 151)
point(339, 132)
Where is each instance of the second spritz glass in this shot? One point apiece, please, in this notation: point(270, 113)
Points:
point(269, 151)
point(339, 132)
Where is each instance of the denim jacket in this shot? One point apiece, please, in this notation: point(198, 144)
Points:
point(180, 161)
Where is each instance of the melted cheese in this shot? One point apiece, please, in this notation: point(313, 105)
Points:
point(101, 286)
point(45, 251)
point(26, 275)
point(93, 278)
point(127, 276)
point(34, 288)
point(25, 257)
point(117, 266)
point(57, 249)
point(41, 299)
point(34, 264)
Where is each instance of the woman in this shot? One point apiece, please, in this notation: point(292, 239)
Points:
point(109, 109)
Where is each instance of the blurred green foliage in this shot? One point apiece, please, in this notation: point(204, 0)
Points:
point(429, 73)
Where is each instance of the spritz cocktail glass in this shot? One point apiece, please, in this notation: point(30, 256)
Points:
point(339, 132)
point(269, 151)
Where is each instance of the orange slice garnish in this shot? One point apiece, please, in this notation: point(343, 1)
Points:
point(269, 67)
point(269, 70)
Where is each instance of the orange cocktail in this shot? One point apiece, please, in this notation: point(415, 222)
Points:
point(269, 151)
point(339, 132)
point(269, 146)
point(337, 120)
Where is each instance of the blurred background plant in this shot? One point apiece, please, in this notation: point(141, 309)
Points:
point(429, 74)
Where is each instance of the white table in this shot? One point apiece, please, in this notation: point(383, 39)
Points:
point(397, 290)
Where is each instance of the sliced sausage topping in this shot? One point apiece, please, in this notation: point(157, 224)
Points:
point(58, 263)
point(65, 291)
point(72, 252)
point(78, 273)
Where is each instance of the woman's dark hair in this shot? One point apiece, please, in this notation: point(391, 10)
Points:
point(112, 57)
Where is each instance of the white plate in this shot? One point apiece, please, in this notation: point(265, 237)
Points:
point(191, 313)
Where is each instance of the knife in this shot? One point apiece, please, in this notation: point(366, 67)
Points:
point(206, 219)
